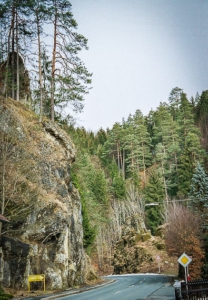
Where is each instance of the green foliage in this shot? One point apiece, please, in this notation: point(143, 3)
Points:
point(137, 143)
point(92, 186)
point(118, 187)
point(154, 190)
point(154, 193)
point(153, 218)
point(199, 196)
point(98, 185)
point(174, 101)
point(4, 296)
point(89, 231)
point(202, 107)
point(101, 137)
point(201, 116)
point(157, 154)
point(186, 168)
point(199, 190)
point(58, 77)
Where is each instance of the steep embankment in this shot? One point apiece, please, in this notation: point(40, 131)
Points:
point(139, 252)
point(45, 235)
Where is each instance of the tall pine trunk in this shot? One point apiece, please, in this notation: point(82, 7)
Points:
point(39, 67)
point(18, 70)
point(143, 161)
point(13, 54)
point(6, 78)
point(53, 65)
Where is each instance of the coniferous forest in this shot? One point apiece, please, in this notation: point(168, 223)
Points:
point(154, 165)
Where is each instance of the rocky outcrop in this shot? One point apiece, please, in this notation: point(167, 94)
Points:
point(9, 67)
point(128, 256)
point(46, 236)
point(138, 251)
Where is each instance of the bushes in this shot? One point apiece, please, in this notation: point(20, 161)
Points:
point(4, 296)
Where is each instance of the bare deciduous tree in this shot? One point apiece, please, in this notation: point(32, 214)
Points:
point(183, 234)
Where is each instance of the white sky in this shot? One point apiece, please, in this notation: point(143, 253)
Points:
point(139, 50)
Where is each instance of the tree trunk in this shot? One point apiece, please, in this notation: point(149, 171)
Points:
point(5, 88)
point(18, 70)
point(144, 168)
point(123, 164)
point(118, 156)
point(2, 209)
point(53, 66)
point(39, 67)
point(13, 54)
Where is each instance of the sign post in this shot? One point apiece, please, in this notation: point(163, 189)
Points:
point(34, 278)
point(158, 261)
point(185, 260)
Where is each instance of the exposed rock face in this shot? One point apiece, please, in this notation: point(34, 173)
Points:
point(127, 255)
point(24, 80)
point(49, 239)
point(137, 251)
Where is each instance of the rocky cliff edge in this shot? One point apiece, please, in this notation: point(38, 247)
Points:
point(45, 234)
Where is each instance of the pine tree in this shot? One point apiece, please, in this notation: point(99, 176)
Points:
point(118, 186)
point(199, 203)
point(137, 145)
point(189, 133)
point(199, 193)
point(166, 147)
point(154, 193)
point(113, 149)
point(174, 101)
point(186, 168)
point(201, 116)
point(15, 44)
point(89, 232)
point(69, 76)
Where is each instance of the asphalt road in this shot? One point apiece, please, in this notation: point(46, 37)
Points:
point(130, 287)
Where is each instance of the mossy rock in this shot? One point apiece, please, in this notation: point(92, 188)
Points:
point(138, 237)
point(145, 236)
point(90, 276)
point(159, 245)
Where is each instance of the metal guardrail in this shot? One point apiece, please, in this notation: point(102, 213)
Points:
point(192, 290)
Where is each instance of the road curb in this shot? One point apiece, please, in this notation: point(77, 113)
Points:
point(75, 291)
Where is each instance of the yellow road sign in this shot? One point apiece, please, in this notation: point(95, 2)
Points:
point(184, 260)
point(34, 278)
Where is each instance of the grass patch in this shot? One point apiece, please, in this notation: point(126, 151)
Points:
point(4, 296)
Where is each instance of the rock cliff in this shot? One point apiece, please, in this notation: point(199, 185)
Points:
point(139, 252)
point(45, 234)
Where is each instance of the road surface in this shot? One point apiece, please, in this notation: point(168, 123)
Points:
point(130, 287)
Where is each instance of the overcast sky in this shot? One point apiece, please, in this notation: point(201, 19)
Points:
point(139, 50)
